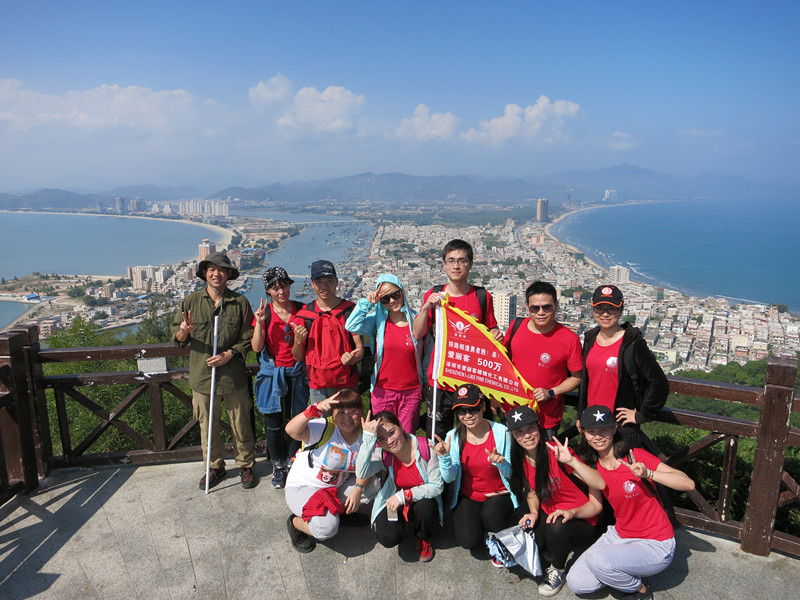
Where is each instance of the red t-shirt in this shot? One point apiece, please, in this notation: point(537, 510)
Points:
point(478, 475)
point(470, 305)
point(406, 477)
point(639, 513)
point(275, 338)
point(565, 495)
point(399, 363)
point(545, 360)
point(603, 370)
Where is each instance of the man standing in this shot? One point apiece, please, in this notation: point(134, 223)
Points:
point(547, 354)
point(193, 326)
point(474, 300)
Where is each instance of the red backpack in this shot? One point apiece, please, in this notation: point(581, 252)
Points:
point(327, 341)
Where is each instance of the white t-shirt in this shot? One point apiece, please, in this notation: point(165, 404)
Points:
point(332, 463)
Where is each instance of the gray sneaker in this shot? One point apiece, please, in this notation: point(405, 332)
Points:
point(553, 581)
point(279, 477)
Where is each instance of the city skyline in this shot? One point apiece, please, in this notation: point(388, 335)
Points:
point(96, 94)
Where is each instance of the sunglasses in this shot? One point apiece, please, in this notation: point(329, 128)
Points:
point(534, 308)
point(396, 295)
point(288, 334)
point(468, 410)
point(599, 310)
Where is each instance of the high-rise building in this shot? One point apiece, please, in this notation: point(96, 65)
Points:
point(541, 210)
point(619, 274)
point(505, 308)
point(206, 248)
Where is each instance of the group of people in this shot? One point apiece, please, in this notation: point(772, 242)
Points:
point(488, 469)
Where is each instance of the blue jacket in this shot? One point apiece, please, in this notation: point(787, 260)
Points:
point(450, 464)
point(273, 382)
point(369, 462)
point(369, 319)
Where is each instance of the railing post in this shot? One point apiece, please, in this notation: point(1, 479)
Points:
point(15, 417)
point(765, 485)
point(40, 417)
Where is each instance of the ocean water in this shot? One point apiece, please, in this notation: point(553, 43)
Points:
point(741, 250)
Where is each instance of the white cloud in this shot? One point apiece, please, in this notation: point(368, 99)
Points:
point(103, 107)
point(543, 121)
point(330, 110)
point(274, 89)
point(621, 141)
point(424, 126)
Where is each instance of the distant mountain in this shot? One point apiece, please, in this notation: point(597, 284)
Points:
point(154, 193)
point(49, 199)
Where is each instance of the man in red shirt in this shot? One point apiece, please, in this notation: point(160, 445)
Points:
point(474, 300)
point(547, 354)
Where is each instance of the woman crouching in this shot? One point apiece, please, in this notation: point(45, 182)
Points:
point(642, 542)
point(412, 491)
point(322, 483)
point(562, 510)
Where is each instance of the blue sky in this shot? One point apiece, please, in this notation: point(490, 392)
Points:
point(100, 94)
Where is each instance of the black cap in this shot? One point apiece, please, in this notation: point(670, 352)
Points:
point(322, 268)
point(607, 294)
point(597, 417)
point(468, 395)
point(520, 416)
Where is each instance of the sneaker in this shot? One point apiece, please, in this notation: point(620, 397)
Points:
point(279, 477)
point(215, 476)
point(300, 541)
point(424, 550)
point(497, 563)
point(647, 594)
point(553, 582)
point(248, 478)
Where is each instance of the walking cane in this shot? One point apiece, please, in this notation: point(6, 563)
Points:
point(211, 404)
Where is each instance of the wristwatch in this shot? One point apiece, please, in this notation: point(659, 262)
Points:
point(550, 394)
point(234, 352)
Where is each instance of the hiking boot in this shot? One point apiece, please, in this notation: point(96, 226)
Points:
point(647, 594)
point(424, 550)
point(215, 476)
point(553, 582)
point(279, 477)
point(248, 478)
point(300, 541)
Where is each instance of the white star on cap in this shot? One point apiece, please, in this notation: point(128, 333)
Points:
point(517, 416)
point(598, 416)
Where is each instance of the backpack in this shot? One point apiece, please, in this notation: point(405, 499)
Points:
point(429, 340)
point(511, 331)
point(327, 341)
point(330, 426)
point(297, 306)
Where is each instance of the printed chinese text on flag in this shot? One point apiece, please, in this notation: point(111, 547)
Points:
point(470, 354)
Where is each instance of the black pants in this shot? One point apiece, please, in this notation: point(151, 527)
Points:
point(562, 538)
point(472, 519)
point(279, 445)
point(422, 513)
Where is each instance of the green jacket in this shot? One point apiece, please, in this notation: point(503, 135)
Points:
point(235, 331)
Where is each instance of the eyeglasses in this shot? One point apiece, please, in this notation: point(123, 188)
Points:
point(451, 262)
point(604, 432)
point(599, 310)
point(533, 308)
point(395, 295)
point(471, 410)
point(288, 334)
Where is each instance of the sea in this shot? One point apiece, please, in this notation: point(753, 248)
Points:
point(746, 251)
point(91, 244)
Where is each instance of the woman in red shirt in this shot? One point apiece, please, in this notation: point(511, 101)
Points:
point(641, 542)
point(551, 483)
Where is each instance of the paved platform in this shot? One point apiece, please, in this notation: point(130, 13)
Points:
point(148, 532)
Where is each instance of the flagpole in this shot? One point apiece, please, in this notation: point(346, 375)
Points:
point(437, 359)
point(211, 404)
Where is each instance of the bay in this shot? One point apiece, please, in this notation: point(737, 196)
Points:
point(741, 250)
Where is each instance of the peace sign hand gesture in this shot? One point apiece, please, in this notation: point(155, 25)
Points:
point(369, 424)
point(186, 325)
point(442, 447)
point(637, 468)
point(561, 451)
point(261, 311)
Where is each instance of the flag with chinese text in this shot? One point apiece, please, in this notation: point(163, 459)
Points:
point(468, 353)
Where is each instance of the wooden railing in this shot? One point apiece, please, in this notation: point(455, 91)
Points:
point(25, 427)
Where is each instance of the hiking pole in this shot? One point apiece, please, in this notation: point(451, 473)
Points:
point(211, 404)
point(437, 360)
